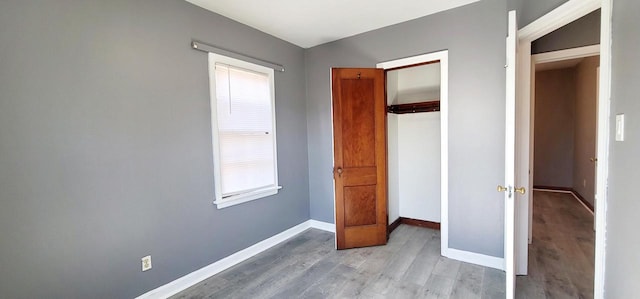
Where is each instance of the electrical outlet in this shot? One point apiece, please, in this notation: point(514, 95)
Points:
point(584, 183)
point(146, 263)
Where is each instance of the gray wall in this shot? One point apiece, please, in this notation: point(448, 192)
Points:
point(530, 10)
point(105, 146)
point(579, 33)
point(475, 37)
point(554, 128)
point(584, 171)
point(622, 265)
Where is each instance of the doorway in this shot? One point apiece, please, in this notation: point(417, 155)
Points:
point(439, 60)
point(564, 124)
point(339, 172)
point(413, 145)
point(564, 14)
point(565, 95)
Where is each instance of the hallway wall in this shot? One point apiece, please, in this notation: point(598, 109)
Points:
point(582, 32)
point(585, 134)
point(554, 128)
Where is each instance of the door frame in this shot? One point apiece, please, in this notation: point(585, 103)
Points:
point(564, 14)
point(443, 56)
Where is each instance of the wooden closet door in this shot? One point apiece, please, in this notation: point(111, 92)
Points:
point(360, 169)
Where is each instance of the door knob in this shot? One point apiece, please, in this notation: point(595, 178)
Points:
point(501, 189)
point(593, 159)
point(520, 190)
point(339, 171)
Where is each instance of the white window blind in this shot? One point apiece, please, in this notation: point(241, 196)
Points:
point(243, 130)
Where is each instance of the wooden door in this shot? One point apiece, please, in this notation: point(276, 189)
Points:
point(360, 157)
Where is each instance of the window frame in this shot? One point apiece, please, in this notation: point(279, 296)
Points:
point(220, 200)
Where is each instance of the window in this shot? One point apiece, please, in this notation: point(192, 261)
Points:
point(243, 130)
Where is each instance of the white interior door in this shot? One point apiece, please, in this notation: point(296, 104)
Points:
point(509, 164)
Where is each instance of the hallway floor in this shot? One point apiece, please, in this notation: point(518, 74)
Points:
point(561, 256)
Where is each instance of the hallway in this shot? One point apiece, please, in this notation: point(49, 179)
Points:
point(561, 256)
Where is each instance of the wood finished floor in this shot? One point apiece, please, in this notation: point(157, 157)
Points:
point(308, 266)
point(561, 255)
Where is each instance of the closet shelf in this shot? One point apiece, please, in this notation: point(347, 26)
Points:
point(429, 106)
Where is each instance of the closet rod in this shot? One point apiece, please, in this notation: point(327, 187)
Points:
point(429, 106)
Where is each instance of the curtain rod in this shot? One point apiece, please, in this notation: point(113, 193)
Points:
point(204, 47)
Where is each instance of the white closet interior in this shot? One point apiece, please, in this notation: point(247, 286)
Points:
point(414, 144)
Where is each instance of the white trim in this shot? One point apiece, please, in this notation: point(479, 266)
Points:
point(402, 62)
point(566, 192)
point(602, 169)
point(220, 201)
point(201, 274)
point(325, 226)
point(564, 14)
point(443, 56)
point(523, 156)
point(572, 53)
point(245, 197)
point(333, 160)
point(510, 182)
point(552, 190)
point(476, 258)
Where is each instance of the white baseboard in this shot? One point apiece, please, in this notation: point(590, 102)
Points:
point(325, 226)
point(475, 258)
point(552, 190)
point(199, 275)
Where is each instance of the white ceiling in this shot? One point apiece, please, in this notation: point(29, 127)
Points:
point(308, 23)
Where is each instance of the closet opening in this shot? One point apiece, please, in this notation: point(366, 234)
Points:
point(414, 144)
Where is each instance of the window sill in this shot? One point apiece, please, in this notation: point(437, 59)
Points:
point(246, 197)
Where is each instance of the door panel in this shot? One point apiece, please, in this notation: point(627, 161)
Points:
point(360, 173)
point(509, 189)
point(359, 176)
point(360, 205)
point(358, 123)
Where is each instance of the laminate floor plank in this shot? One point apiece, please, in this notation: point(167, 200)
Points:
point(424, 263)
point(438, 287)
point(331, 283)
point(493, 284)
point(468, 284)
point(447, 267)
point(279, 275)
point(251, 281)
point(299, 284)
